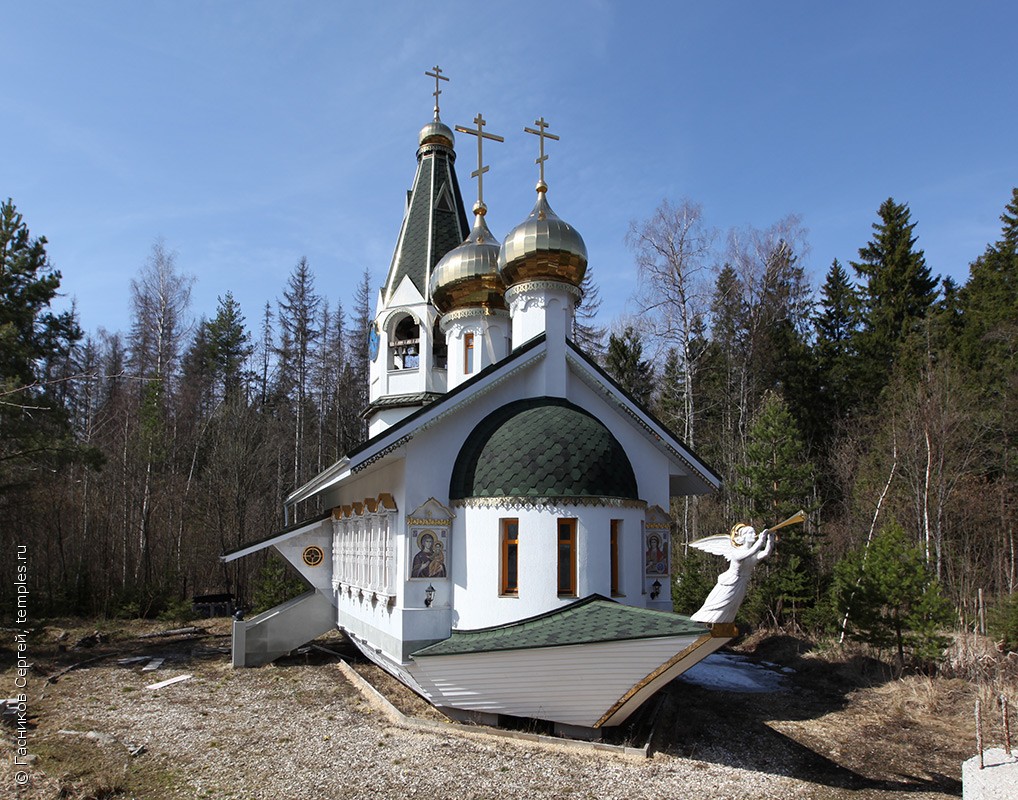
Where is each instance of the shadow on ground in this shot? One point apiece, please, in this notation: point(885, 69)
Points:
point(802, 732)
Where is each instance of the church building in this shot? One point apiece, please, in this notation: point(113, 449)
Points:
point(500, 543)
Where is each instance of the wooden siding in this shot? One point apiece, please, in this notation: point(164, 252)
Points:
point(575, 684)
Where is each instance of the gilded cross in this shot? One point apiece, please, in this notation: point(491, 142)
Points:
point(541, 124)
point(438, 76)
point(478, 173)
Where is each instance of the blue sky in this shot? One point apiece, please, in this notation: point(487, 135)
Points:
point(249, 134)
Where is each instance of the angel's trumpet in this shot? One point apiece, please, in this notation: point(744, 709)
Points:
point(799, 516)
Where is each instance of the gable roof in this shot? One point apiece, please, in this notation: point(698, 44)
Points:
point(703, 479)
point(593, 619)
point(397, 435)
point(603, 383)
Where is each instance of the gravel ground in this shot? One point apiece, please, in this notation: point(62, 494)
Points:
point(299, 731)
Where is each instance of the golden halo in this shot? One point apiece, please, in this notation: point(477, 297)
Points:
point(735, 531)
point(422, 534)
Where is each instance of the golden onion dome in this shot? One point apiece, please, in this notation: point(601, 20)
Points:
point(543, 248)
point(436, 132)
point(467, 276)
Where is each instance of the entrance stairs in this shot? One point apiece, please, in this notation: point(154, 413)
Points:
point(279, 630)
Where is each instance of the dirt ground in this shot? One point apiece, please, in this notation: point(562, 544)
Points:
point(298, 728)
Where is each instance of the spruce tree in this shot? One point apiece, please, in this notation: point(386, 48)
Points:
point(229, 346)
point(196, 373)
point(34, 425)
point(359, 361)
point(670, 406)
point(775, 483)
point(624, 362)
point(897, 293)
point(587, 334)
point(722, 377)
point(836, 327)
point(989, 305)
point(298, 318)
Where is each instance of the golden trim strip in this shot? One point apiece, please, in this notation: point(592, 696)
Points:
point(724, 630)
point(671, 662)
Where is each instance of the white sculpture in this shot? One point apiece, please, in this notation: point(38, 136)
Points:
point(744, 550)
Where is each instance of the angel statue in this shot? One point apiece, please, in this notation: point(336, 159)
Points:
point(744, 549)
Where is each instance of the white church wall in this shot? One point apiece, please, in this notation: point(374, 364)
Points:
point(650, 465)
point(311, 555)
point(404, 381)
point(387, 417)
point(540, 307)
point(490, 343)
point(497, 340)
point(372, 620)
point(432, 453)
point(477, 558)
point(395, 631)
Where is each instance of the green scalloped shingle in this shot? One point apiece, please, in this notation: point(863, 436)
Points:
point(587, 621)
point(542, 447)
point(430, 232)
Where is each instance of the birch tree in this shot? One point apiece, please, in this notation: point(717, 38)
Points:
point(673, 250)
point(160, 298)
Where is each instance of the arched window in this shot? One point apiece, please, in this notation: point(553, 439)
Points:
point(468, 353)
point(439, 348)
point(405, 345)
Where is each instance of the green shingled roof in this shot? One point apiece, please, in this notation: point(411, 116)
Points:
point(593, 619)
point(429, 232)
point(542, 447)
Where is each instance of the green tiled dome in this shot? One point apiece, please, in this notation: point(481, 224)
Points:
point(542, 447)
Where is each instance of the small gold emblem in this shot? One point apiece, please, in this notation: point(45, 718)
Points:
point(313, 555)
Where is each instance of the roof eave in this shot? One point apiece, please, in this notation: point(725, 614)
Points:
point(273, 539)
point(320, 482)
point(392, 438)
point(407, 427)
point(651, 426)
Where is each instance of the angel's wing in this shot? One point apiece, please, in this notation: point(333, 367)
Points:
point(720, 545)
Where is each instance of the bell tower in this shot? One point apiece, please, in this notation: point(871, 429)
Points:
point(408, 354)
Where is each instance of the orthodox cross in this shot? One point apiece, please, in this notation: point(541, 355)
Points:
point(543, 134)
point(438, 76)
point(478, 173)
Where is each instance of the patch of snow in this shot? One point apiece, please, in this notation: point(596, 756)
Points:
point(728, 672)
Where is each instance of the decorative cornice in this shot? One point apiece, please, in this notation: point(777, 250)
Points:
point(541, 286)
point(470, 313)
point(382, 453)
point(396, 312)
point(554, 504)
